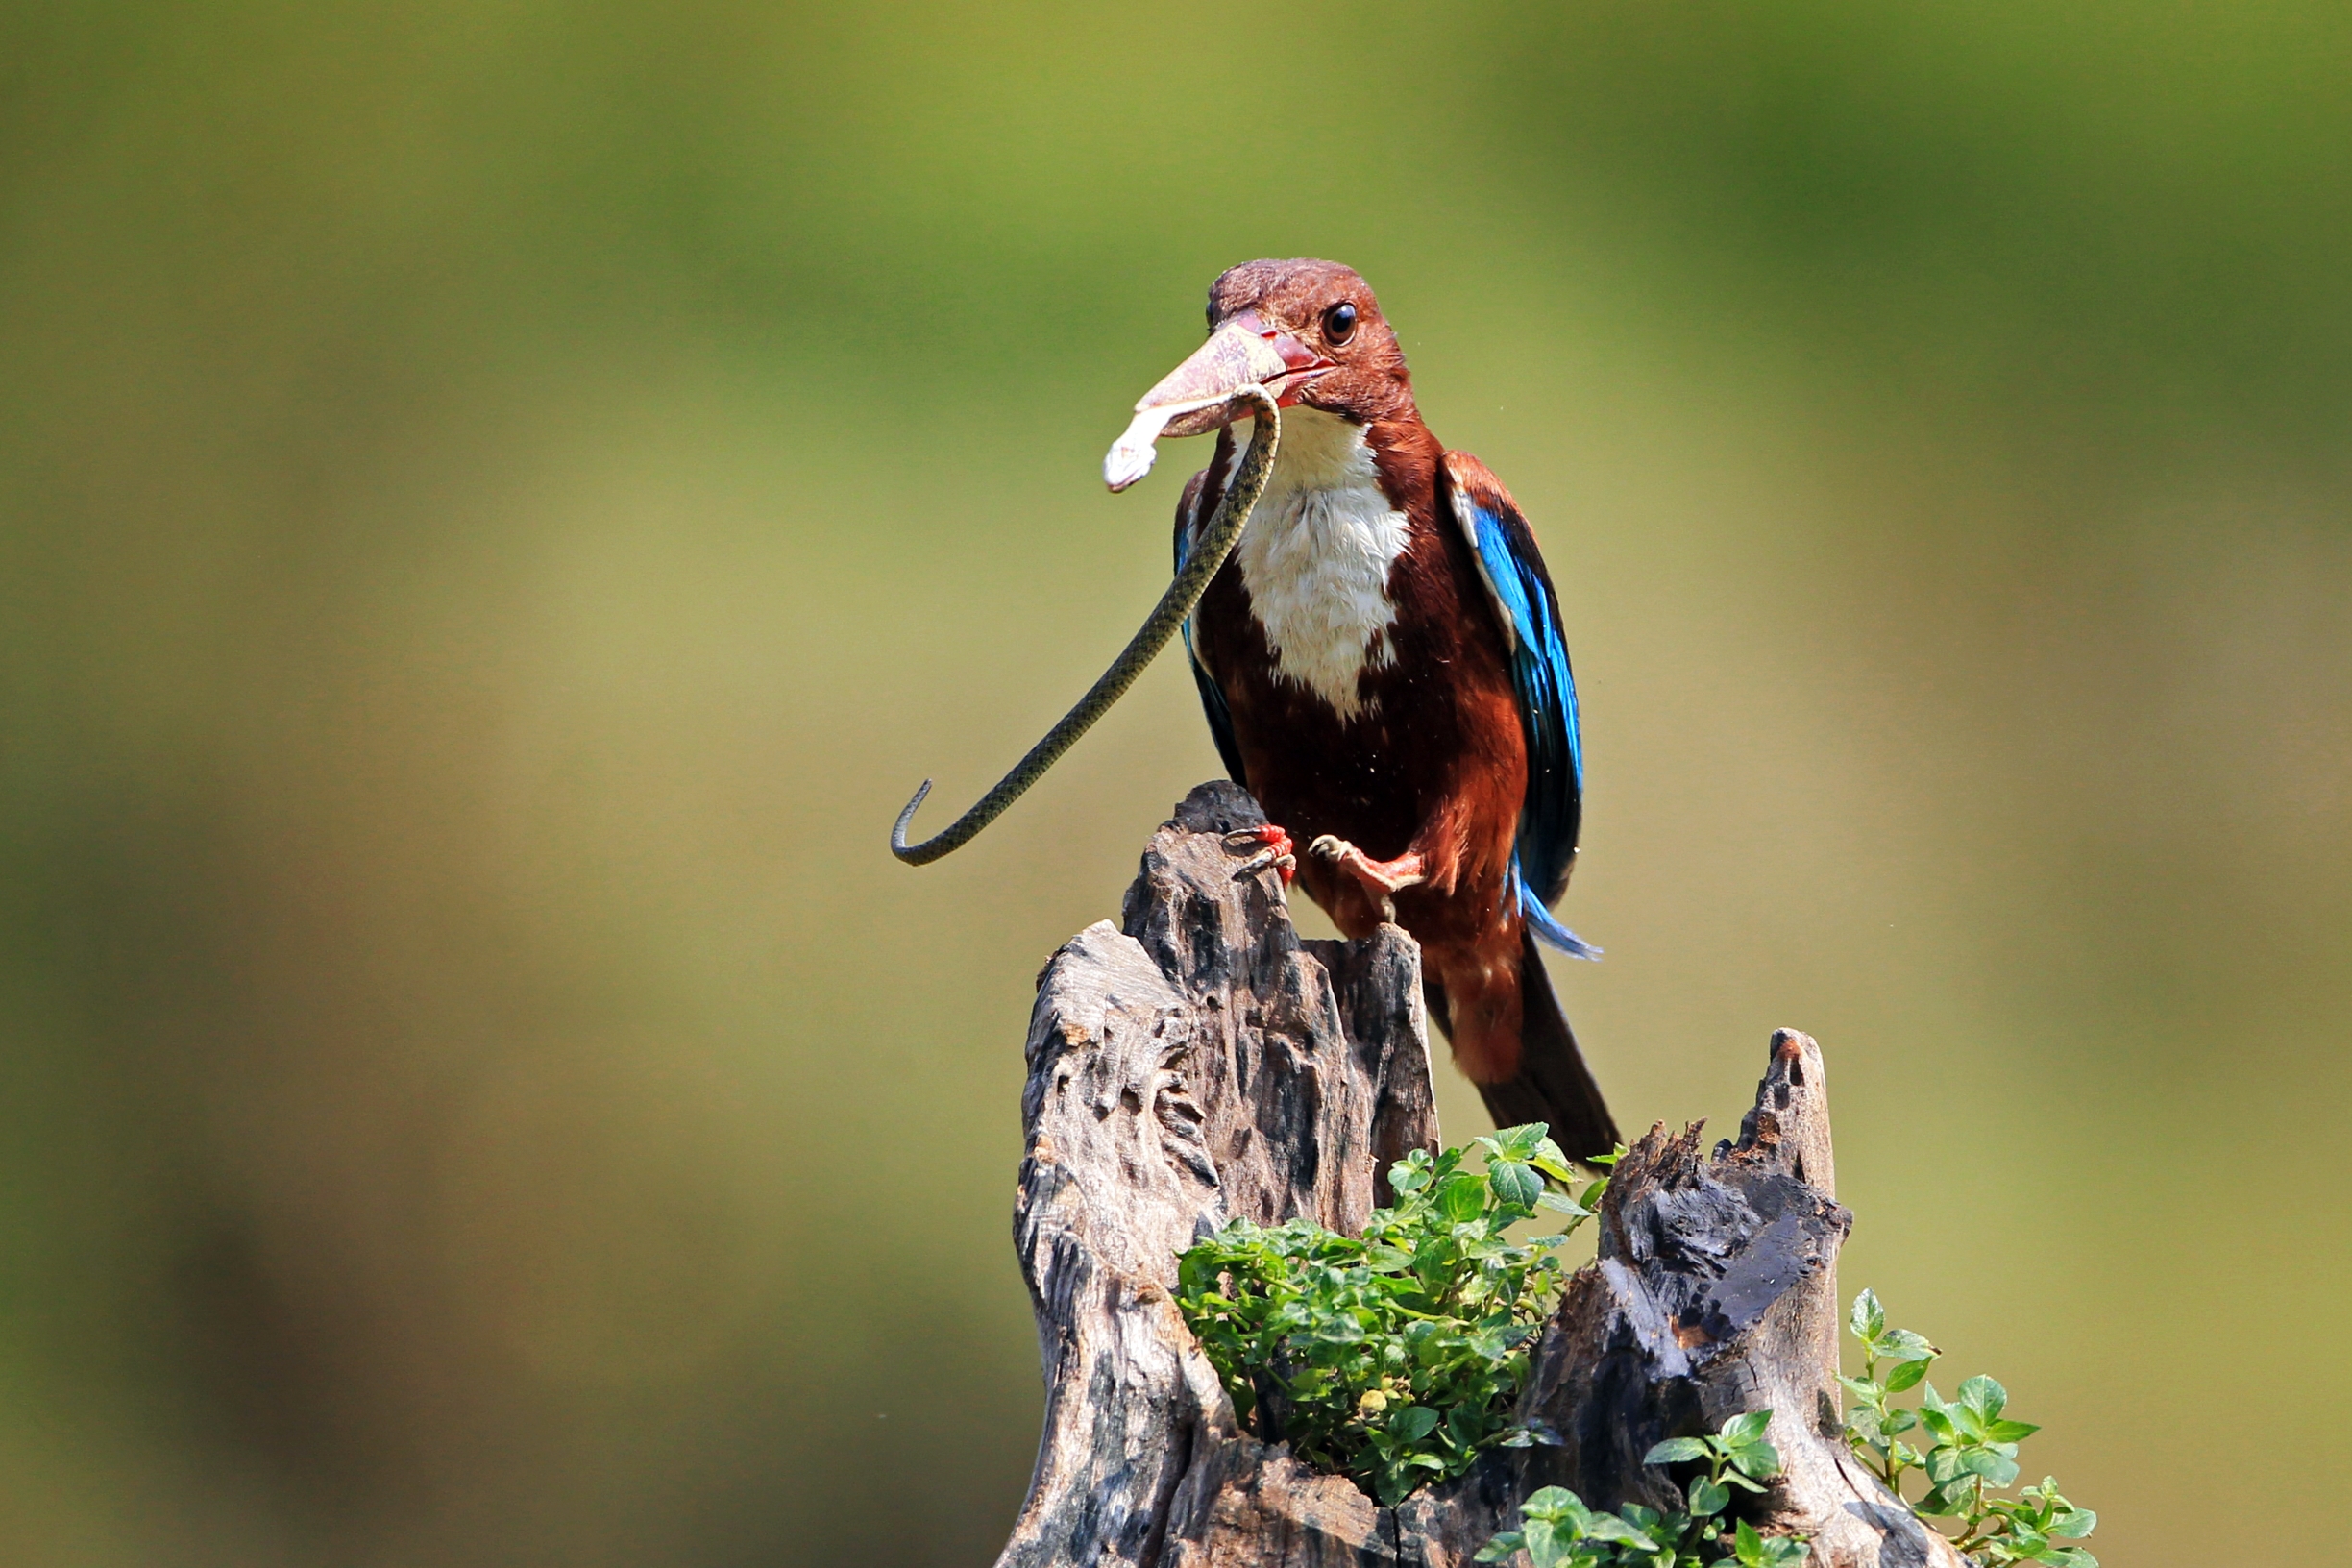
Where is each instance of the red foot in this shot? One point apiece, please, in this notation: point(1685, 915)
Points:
point(1378, 878)
point(1278, 852)
point(1284, 856)
point(1278, 839)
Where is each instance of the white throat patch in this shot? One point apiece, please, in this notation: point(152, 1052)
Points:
point(1317, 553)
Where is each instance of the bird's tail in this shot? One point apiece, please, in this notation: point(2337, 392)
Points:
point(1552, 1085)
point(1545, 925)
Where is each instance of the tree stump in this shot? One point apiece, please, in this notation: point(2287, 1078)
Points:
point(1205, 1063)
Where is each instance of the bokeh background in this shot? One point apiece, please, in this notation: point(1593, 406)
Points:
point(500, 500)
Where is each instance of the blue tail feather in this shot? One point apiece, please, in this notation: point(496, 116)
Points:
point(1547, 927)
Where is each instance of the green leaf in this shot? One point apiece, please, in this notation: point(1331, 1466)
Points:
point(1707, 1495)
point(1561, 1203)
point(1341, 1328)
point(1745, 1428)
point(2073, 1524)
point(1675, 1451)
point(1905, 1376)
point(1984, 1396)
point(1412, 1423)
point(1936, 1503)
point(2010, 1431)
point(1609, 1527)
point(1759, 1459)
point(1461, 1198)
point(1496, 1343)
point(1522, 1141)
point(1868, 1320)
point(1514, 1184)
point(1501, 1547)
point(1997, 1469)
point(1898, 1420)
point(1902, 1345)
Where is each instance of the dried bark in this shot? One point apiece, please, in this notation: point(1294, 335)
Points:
point(1205, 1063)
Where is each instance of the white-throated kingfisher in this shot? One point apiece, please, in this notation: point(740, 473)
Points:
point(1383, 667)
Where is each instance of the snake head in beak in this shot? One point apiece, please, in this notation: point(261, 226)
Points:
point(1203, 394)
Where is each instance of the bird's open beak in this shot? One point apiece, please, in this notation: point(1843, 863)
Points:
point(1199, 395)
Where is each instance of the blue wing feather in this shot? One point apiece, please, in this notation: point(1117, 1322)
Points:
point(1520, 592)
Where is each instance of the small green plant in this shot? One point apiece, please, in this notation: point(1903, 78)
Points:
point(1392, 1357)
point(1558, 1530)
point(1970, 1453)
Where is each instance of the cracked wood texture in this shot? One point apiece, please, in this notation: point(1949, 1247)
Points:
point(1204, 1062)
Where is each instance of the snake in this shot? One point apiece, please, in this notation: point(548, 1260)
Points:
point(1176, 605)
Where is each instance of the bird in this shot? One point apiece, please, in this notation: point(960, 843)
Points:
point(1382, 666)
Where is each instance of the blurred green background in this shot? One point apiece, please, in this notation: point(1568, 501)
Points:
point(500, 500)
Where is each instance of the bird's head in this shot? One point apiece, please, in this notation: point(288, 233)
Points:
point(1306, 332)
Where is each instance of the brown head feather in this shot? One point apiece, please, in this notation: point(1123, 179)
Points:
point(1299, 296)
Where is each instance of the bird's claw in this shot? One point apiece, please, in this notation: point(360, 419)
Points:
point(1288, 864)
point(1382, 875)
point(1273, 852)
point(1380, 879)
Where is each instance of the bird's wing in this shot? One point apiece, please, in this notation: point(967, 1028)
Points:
point(1519, 589)
point(1212, 696)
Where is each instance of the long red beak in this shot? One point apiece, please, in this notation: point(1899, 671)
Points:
point(1198, 396)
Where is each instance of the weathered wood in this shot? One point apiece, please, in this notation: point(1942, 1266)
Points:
point(1713, 1292)
point(1204, 1063)
point(1308, 1061)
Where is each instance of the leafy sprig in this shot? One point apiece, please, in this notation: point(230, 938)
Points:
point(1738, 1456)
point(1392, 1357)
point(1558, 1530)
point(1971, 1452)
point(1875, 1426)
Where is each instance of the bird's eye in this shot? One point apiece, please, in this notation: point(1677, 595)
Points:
point(1339, 323)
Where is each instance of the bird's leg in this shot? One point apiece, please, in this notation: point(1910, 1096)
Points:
point(1382, 879)
point(1276, 851)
